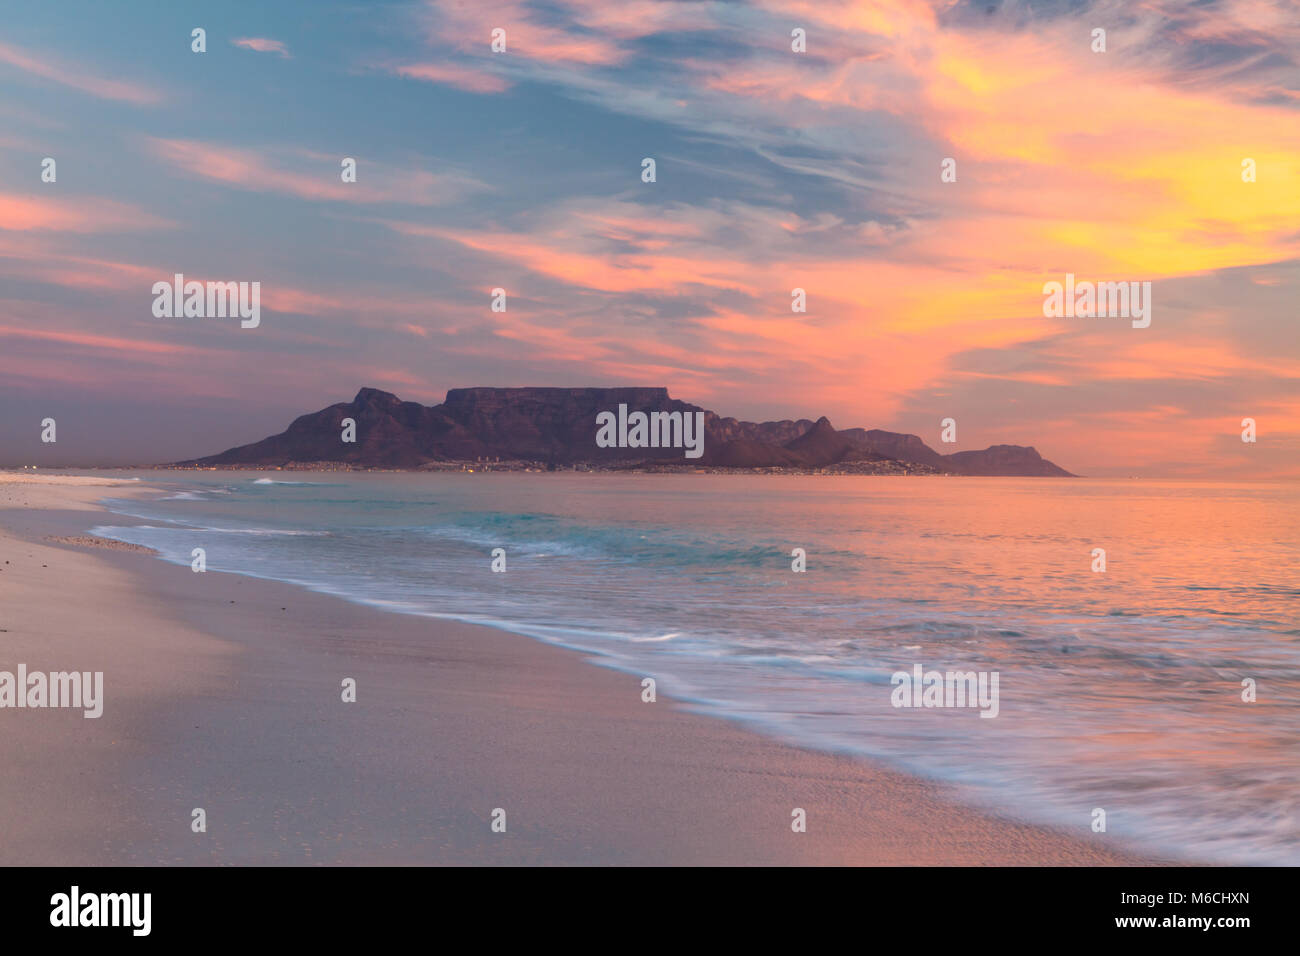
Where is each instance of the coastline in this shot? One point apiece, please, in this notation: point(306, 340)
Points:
point(223, 692)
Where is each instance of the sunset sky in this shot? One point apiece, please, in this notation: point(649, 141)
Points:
point(775, 170)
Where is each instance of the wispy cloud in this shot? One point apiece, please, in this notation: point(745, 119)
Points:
point(82, 214)
point(47, 67)
point(312, 175)
point(262, 45)
point(531, 33)
point(104, 342)
point(463, 77)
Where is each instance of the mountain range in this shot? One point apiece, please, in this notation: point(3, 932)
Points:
point(557, 427)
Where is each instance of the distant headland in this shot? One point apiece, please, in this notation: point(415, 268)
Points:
point(550, 429)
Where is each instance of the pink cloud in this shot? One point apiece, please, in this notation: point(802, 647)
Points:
point(469, 27)
point(102, 342)
point(262, 45)
point(310, 175)
point(75, 214)
point(475, 81)
point(47, 68)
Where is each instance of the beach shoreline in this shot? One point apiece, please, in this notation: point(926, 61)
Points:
point(223, 692)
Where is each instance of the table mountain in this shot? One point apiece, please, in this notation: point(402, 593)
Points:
point(557, 426)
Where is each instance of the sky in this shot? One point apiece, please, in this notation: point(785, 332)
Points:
point(774, 170)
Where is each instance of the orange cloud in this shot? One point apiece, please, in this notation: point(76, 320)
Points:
point(547, 255)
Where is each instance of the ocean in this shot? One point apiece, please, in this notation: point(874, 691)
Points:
point(1119, 690)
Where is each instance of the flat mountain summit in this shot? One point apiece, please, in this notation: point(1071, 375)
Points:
point(557, 427)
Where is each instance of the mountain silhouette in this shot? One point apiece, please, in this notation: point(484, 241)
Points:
point(557, 426)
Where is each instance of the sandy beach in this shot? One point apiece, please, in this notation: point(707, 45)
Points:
point(223, 692)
